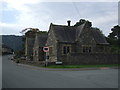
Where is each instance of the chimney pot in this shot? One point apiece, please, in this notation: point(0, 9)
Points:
point(68, 22)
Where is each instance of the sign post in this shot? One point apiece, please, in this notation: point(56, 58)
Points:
point(46, 49)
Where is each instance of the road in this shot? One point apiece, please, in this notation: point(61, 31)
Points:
point(0, 72)
point(16, 76)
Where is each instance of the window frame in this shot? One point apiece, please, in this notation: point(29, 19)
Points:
point(66, 47)
point(86, 49)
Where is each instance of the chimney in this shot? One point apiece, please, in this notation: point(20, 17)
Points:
point(68, 22)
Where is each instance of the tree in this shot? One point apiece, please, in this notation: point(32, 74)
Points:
point(114, 38)
point(115, 32)
point(82, 21)
point(31, 32)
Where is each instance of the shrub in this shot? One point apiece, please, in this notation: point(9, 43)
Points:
point(17, 61)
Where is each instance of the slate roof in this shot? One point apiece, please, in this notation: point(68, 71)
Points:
point(98, 37)
point(69, 34)
point(64, 33)
point(42, 38)
point(79, 30)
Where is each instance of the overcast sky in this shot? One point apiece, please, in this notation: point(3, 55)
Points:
point(19, 14)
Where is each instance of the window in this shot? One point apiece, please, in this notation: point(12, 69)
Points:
point(84, 49)
point(87, 49)
point(66, 49)
point(101, 49)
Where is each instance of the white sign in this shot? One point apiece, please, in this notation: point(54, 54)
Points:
point(46, 49)
point(58, 62)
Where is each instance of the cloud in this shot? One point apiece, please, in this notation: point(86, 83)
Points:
point(26, 17)
point(105, 21)
point(20, 4)
point(39, 14)
point(10, 28)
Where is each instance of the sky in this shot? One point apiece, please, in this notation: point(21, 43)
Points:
point(16, 15)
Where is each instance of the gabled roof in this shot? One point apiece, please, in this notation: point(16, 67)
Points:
point(41, 39)
point(79, 30)
point(98, 37)
point(70, 34)
point(64, 33)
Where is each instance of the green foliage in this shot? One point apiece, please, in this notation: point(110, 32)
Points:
point(12, 41)
point(82, 21)
point(115, 49)
point(114, 39)
point(42, 32)
point(32, 32)
point(17, 61)
point(82, 66)
point(19, 54)
point(115, 32)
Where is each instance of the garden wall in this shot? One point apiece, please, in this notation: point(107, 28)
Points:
point(87, 58)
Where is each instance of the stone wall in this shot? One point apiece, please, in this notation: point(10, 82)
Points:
point(87, 58)
point(51, 42)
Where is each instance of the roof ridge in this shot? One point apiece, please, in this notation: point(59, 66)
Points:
point(64, 33)
point(101, 38)
point(82, 25)
point(61, 25)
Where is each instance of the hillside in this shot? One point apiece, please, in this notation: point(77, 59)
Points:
point(14, 42)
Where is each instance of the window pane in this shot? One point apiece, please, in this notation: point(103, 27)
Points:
point(89, 49)
point(68, 49)
point(64, 50)
point(86, 49)
point(83, 49)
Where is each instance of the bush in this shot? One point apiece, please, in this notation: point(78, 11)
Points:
point(17, 61)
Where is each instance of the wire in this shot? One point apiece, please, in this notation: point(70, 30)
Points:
point(76, 8)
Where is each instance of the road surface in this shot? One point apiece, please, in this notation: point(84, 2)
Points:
point(0, 72)
point(16, 76)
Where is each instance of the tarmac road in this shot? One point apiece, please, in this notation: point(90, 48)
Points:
point(0, 72)
point(17, 76)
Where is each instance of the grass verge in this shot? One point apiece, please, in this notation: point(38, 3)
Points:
point(83, 66)
point(71, 66)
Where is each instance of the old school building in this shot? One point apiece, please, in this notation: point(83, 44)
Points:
point(71, 41)
point(68, 44)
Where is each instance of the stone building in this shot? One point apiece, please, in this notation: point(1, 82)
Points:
point(29, 43)
point(63, 41)
point(40, 41)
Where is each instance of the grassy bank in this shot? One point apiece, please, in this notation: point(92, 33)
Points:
point(82, 66)
point(66, 66)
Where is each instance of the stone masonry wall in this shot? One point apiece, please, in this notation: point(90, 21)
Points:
point(84, 58)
